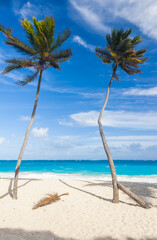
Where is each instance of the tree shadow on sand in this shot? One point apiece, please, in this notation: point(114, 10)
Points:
point(128, 238)
point(20, 234)
point(81, 190)
point(10, 191)
point(94, 195)
point(141, 189)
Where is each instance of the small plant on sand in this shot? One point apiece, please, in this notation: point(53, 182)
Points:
point(121, 54)
point(49, 199)
point(42, 52)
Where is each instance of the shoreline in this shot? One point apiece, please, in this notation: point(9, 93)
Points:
point(100, 177)
point(87, 213)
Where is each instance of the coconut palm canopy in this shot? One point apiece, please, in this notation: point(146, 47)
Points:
point(121, 53)
point(41, 52)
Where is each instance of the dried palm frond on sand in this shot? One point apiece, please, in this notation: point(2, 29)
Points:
point(49, 199)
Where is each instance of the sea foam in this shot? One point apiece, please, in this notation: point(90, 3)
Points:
point(102, 177)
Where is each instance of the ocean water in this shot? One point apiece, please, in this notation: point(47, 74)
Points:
point(141, 171)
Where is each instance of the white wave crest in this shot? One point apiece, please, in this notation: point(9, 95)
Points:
point(102, 177)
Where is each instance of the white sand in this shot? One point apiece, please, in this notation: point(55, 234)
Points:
point(87, 213)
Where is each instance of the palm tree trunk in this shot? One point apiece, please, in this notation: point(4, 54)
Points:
point(115, 183)
point(109, 157)
point(137, 199)
point(26, 139)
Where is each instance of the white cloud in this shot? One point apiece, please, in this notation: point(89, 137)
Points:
point(83, 43)
point(65, 123)
point(91, 17)
point(142, 13)
point(2, 140)
point(25, 118)
point(129, 138)
point(40, 132)
point(141, 92)
point(118, 119)
point(28, 9)
point(100, 13)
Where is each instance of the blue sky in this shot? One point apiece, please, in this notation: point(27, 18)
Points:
point(70, 100)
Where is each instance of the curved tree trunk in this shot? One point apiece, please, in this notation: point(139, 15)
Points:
point(115, 183)
point(137, 199)
point(26, 139)
point(109, 157)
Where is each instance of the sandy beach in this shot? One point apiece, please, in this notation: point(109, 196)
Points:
point(87, 213)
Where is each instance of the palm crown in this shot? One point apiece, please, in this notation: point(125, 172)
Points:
point(42, 50)
point(120, 51)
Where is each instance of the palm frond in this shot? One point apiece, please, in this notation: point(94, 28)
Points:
point(141, 52)
point(49, 199)
point(62, 55)
point(113, 53)
point(42, 47)
point(40, 39)
point(28, 28)
point(6, 31)
point(121, 49)
point(58, 41)
point(10, 68)
point(122, 46)
point(20, 46)
point(126, 33)
point(27, 79)
point(136, 40)
point(128, 69)
point(15, 64)
point(47, 28)
point(33, 36)
point(24, 62)
point(105, 59)
point(54, 63)
point(103, 52)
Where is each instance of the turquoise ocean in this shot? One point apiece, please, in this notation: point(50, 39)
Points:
point(141, 171)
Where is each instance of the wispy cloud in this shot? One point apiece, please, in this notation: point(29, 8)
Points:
point(136, 137)
point(25, 118)
point(141, 13)
point(40, 132)
point(28, 9)
point(118, 119)
point(83, 43)
point(64, 122)
point(89, 15)
point(141, 92)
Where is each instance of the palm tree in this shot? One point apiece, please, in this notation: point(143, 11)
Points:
point(41, 53)
point(121, 54)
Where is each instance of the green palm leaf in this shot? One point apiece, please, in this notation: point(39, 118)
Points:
point(27, 79)
point(42, 47)
point(62, 55)
point(20, 46)
point(120, 51)
point(6, 31)
point(11, 67)
point(60, 39)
